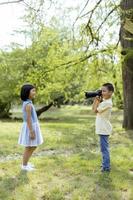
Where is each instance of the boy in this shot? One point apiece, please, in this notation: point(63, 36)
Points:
point(103, 106)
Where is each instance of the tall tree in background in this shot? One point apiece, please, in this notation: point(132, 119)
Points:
point(126, 38)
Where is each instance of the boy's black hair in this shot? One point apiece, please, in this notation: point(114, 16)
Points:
point(25, 91)
point(109, 86)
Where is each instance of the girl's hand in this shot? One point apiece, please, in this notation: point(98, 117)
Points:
point(32, 135)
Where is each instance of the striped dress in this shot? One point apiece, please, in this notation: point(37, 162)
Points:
point(24, 137)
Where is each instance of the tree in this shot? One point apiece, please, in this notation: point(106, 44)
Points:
point(126, 38)
point(9, 78)
point(44, 66)
point(60, 65)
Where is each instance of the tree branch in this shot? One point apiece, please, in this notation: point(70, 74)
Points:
point(91, 14)
point(8, 2)
point(45, 108)
point(107, 17)
point(81, 11)
point(75, 62)
point(30, 6)
point(100, 26)
point(92, 11)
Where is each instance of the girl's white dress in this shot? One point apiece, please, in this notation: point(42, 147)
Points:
point(24, 137)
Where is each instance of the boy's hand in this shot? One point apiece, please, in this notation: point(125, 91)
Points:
point(96, 102)
point(32, 135)
point(97, 99)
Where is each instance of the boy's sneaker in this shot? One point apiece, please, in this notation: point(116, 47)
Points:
point(27, 168)
point(105, 170)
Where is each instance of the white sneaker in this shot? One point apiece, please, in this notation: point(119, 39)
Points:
point(27, 168)
point(31, 165)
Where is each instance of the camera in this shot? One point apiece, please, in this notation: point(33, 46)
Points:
point(92, 94)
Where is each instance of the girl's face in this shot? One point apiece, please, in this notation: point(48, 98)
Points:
point(106, 94)
point(32, 93)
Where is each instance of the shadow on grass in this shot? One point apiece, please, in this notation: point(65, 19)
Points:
point(113, 186)
point(104, 188)
point(9, 185)
point(129, 134)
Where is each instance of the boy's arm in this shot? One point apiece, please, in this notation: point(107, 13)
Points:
point(105, 106)
point(103, 109)
point(95, 104)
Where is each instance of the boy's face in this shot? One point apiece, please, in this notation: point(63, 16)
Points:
point(32, 93)
point(106, 94)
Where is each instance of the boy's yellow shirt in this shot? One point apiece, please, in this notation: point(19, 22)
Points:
point(103, 125)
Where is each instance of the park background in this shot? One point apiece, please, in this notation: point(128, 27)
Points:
point(66, 48)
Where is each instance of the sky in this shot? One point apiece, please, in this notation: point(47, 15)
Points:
point(9, 22)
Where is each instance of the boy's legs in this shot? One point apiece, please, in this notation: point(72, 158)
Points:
point(104, 144)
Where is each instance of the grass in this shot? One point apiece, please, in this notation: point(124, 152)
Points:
point(68, 163)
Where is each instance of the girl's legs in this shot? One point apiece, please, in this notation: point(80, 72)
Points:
point(27, 154)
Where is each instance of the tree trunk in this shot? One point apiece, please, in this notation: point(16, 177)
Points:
point(126, 38)
point(43, 109)
point(57, 101)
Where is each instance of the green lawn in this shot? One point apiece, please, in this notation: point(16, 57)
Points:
point(68, 163)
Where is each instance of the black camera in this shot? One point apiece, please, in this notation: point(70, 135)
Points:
point(93, 94)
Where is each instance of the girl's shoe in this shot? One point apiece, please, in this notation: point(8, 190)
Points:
point(31, 165)
point(27, 168)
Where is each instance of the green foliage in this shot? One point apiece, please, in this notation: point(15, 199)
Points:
point(55, 62)
point(8, 77)
point(104, 68)
point(48, 64)
point(46, 69)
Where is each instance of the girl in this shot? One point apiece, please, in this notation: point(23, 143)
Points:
point(30, 135)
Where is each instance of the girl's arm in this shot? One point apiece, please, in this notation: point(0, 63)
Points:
point(95, 104)
point(29, 123)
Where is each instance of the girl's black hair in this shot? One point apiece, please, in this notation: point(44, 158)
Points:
point(25, 91)
point(109, 86)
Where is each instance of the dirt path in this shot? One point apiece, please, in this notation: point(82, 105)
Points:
point(41, 153)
